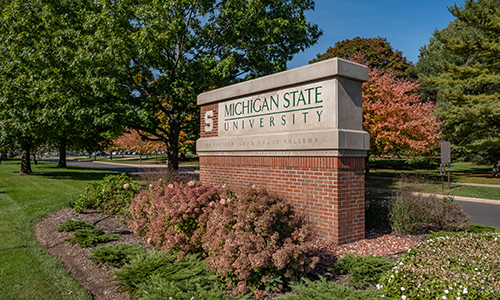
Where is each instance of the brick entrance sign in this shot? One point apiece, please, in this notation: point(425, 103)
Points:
point(298, 133)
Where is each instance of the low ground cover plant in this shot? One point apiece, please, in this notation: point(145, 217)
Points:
point(321, 289)
point(116, 255)
point(87, 237)
point(463, 266)
point(73, 225)
point(159, 275)
point(363, 270)
point(112, 194)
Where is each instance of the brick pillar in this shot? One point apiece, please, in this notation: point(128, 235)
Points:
point(329, 190)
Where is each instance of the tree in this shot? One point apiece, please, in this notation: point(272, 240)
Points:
point(376, 51)
point(135, 141)
point(395, 118)
point(460, 68)
point(159, 55)
point(398, 122)
point(45, 91)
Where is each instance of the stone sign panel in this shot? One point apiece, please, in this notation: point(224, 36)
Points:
point(317, 111)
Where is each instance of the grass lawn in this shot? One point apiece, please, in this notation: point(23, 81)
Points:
point(27, 271)
point(465, 172)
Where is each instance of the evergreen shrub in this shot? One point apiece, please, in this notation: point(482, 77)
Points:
point(363, 270)
point(112, 194)
point(73, 225)
point(172, 217)
point(256, 240)
point(87, 237)
point(116, 255)
point(321, 289)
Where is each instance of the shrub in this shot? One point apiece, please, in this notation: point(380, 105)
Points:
point(321, 289)
point(171, 217)
point(116, 255)
point(363, 270)
point(476, 228)
point(465, 266)
point(112, 194)
point(412, 212)
point(199, 288)
point(256, 240)
point(73, 225)
point(87, 237)
point(376, 209)
point(144, 267)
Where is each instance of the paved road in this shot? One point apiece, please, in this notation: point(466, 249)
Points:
point(482, 213)
point(123, 168)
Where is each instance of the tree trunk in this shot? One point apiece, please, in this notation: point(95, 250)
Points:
point(62, 154)
point(3, 156)
point(496, 168)
point(111, 155)
point(25, 156)
point(35, 160)
point(173, 145)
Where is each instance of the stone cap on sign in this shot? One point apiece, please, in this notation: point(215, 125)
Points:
point(335, 67)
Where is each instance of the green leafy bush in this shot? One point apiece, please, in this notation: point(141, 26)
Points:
point(465, 266)
point(73, 225)
point(412, 212)
point(256, 240)
point(112, 194)
point(87, 237)
point(172, 217)
point(321, 289)
point(363, 270)
point(116, 255)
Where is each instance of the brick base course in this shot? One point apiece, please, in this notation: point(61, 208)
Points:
point(328, 190)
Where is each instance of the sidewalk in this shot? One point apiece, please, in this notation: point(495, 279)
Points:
point(457, 198)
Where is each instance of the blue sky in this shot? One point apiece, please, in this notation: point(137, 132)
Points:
point(406, 24)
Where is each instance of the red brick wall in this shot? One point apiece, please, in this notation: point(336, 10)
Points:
point(215, 118)
point(329, 190)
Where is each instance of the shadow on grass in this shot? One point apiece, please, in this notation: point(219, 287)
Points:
point(73, 173)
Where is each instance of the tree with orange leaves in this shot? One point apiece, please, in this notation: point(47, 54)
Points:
point(396, 118)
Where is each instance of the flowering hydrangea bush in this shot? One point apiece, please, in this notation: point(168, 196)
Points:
point(256, 240)
point(172, 217)
point(113, 194)
point(464, 266)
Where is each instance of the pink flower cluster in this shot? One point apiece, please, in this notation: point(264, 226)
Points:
point(172, 217)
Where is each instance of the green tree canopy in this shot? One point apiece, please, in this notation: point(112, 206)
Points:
point(159, 55)
point(376, 52)
point(460, 68)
